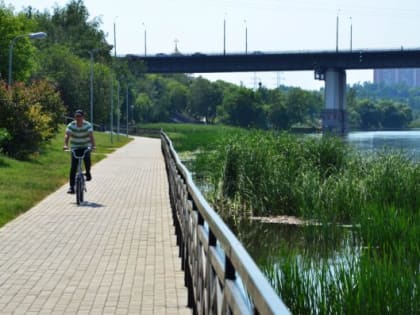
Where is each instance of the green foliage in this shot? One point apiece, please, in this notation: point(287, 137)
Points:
point(204, 99)
point(261, 172)
point(4, 138)
point(241, 107)
point(70, 27)
point(381, 106)
point(359, 283)
point(30, 115)
point(14, 29)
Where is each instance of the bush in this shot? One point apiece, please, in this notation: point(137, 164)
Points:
point(4, 136)
point(30, 115)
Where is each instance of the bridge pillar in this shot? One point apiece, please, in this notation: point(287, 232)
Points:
point(334, 116)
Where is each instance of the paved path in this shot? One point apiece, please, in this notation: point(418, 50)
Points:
point(116, 254)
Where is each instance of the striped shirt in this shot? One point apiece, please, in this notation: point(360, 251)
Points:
point(79, 135)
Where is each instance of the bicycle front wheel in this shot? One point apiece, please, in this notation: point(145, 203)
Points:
point(79, 190)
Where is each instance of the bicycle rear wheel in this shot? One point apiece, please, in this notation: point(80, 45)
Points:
point(79, 190)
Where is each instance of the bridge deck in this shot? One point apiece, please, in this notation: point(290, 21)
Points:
point(116, 254)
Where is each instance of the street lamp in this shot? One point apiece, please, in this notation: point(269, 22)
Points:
point(115, 38)
point(336, 31)
point(246, 38)
point(145, 36)
point(132, 115)
point(126, 105)
point(118, 110)
point(351, 34)
point(111, 114)
point(12, 43)
point(224, 35)
point(91, 52)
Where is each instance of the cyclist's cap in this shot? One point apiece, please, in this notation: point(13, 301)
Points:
point(79, 112)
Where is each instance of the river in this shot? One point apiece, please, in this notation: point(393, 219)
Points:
point(405, 141)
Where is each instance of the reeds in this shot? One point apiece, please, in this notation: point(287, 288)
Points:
point(361, 282)
point(325, 181)
point(370, 268)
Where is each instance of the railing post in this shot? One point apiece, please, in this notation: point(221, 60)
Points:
point(211, 307)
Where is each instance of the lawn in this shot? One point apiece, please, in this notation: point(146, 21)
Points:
point(25, 183)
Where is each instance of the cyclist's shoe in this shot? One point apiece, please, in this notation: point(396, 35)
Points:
point(71, 190)
point(88, 177)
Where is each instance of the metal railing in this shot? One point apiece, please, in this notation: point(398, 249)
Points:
point(220, 275)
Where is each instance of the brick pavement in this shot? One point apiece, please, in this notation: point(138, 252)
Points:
point(115, 254)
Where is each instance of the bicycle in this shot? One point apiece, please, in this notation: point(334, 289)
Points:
point(80, 179)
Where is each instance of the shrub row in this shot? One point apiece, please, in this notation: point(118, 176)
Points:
point(29, 116)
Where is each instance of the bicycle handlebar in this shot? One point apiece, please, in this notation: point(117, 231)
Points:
point(73, 151)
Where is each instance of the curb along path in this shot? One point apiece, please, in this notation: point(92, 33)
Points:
point(115, 254)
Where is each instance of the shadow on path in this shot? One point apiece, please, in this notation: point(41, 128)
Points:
point(87, 204)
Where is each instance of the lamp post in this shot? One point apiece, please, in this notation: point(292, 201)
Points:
point(336, 35)
point(336, 31)
point(351, 34)
point(145, 41)
point(115, 38)
point(132, 115)
point(91, 52)
point(246, 38)
point(111, 114)
point(118, 110)
point(224, 35)
point(126, 105)
point(12, 43)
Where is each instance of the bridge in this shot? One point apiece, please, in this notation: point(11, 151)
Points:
point(144, 242)
point(329, 66)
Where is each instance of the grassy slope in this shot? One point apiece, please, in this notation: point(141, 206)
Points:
point(24, 183)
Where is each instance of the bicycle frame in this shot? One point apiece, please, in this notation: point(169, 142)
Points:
point(80, 180)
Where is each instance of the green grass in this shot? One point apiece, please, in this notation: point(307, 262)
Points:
point(192, 137)
point(25, 183)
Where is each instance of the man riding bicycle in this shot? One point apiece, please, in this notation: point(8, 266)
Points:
point(80, 134)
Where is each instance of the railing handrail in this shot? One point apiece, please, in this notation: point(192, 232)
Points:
point(262, 294)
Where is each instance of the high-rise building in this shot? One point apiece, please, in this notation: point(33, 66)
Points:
point(409, 76)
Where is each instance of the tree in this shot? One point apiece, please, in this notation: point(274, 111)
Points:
point(278, 113)
point(24, 52)
point(70, 26)
point(204, 98)
point(241, 107)
point(178, 96)
point(299, 105)
point(395, 115)
point(143, 109)
point(71, 75)
point(370, 115)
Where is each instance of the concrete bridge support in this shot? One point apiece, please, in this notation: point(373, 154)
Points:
point(334, 116)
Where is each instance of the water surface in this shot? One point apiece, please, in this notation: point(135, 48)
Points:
point(404, 141)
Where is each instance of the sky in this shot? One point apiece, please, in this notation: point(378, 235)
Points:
point(259, 25)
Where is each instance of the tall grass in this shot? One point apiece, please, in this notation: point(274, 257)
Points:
point(324, 180)
point(358, 282)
